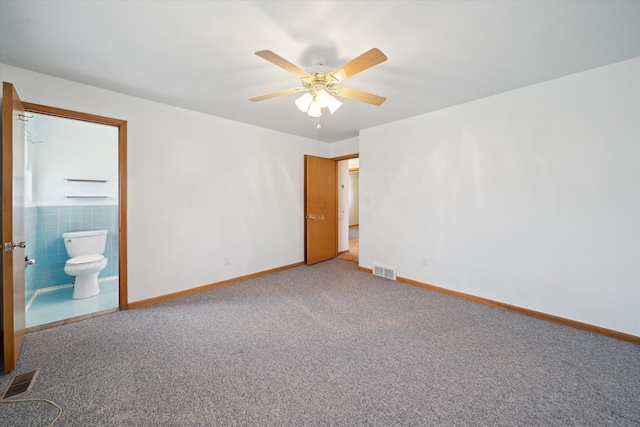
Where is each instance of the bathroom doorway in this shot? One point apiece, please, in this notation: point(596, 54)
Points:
point(349, 207)
point(74, 171)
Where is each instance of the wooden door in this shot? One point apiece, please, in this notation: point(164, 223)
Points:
point(321, 213)
point(13, 229)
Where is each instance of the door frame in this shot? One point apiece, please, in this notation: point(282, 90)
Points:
point(123, 294)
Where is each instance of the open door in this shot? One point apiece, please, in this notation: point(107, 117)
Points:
point(13, 230)
point(320, 199)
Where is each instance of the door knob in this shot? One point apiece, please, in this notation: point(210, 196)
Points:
point(9, 246)
point(311, 217)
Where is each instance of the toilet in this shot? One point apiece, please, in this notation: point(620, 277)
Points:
point(85, 249)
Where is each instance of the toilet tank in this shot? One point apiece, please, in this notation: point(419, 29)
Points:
point(85, 242)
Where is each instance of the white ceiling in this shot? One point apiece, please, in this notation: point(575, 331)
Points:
point(199, 55)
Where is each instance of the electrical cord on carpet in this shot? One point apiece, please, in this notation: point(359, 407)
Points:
point(37, 400)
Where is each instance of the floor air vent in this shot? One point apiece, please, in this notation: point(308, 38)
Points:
point(384, 271)
point(20, 384)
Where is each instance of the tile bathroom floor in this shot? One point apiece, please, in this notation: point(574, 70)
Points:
point(52, 306)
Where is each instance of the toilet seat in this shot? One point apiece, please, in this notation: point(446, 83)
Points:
point(84, 259)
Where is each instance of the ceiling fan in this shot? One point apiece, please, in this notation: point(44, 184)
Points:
point(320, 86)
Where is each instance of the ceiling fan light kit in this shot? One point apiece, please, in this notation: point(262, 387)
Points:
point(320, 88)
point(315, 100)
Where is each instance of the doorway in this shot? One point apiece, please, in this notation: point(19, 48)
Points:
point(326, 207)
point(118, 202)
point(71, 185)
point(349, 203)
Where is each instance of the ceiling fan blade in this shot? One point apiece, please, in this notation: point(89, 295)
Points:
point(282, 63)
point(361, 63)
point(274, 94)
point(359, 95)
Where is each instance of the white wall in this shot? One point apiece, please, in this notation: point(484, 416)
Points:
point(73, 149)
point(531, 197)
point(354, 198)
point(344, 148)
point(354, 191)
point(200, 188)
point(343, 205)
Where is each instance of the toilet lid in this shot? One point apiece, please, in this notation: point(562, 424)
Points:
point(85, 259)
